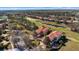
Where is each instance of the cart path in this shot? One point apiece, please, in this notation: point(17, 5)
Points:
point(70, 46)
point(72, 39)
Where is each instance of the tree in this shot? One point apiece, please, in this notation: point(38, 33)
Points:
point(0, 32)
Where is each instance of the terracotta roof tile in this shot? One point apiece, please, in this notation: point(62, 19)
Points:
point(54, 34)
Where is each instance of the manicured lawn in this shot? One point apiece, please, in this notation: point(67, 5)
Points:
point(68, 32)
point(38, 23)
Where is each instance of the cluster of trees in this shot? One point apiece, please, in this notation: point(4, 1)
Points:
point(4, 41)
point(28, 24)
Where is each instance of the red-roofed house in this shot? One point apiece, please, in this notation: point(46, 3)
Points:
point(38, 31)
point(55, 40)
point(54, 34)
point(41, 31)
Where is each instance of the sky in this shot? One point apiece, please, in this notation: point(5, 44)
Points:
point(56, 4)
point(39, 3)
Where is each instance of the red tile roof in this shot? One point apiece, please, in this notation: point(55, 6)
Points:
point(39, 30)
point(54, 34)
point(42, 29)
point(39, 17)
point(45, 30)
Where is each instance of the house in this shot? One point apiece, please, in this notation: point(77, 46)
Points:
point(41, 31)
point(54, 34)
point(55, 40)
point(45, 30)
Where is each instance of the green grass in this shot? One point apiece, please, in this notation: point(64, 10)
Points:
point(68, 32)
point(38, 23)
point(47, 22)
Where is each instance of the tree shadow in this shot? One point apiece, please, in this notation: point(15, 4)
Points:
point(65, 41)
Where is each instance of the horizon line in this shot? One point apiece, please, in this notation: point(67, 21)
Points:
point(39, 8)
